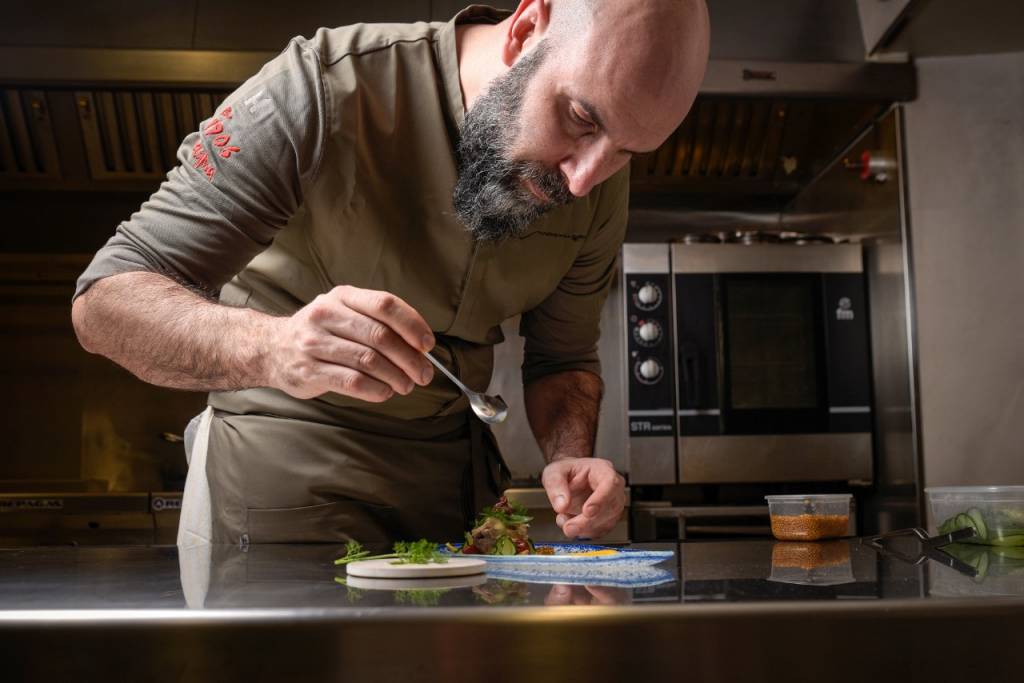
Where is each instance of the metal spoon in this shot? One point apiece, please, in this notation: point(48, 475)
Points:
point(490, 409)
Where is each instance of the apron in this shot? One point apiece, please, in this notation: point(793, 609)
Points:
point(195, 523)
point(258, 478)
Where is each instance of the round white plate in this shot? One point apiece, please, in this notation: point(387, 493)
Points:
point(441, 582)
point(385, 569)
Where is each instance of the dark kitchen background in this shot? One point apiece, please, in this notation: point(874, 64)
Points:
point(95, 97)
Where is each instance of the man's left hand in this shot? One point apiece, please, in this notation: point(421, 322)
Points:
point(587, 495)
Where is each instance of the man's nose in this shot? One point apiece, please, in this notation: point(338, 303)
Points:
point(587, 167)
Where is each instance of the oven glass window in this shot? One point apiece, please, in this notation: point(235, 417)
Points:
point(772, 347)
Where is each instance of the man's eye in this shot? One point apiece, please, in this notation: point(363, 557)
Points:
point(578, 119)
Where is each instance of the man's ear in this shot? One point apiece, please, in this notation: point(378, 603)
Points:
point(528, 25)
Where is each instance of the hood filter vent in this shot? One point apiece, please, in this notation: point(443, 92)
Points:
point(136, 134)
point(28, 149)
point(723, 139)
point(747, 152)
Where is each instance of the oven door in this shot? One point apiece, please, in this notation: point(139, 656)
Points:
point(773, 364)
point(772, 356)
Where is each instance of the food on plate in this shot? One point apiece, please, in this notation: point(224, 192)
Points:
point(998, 527)
point(603, 552)
point(502, 529)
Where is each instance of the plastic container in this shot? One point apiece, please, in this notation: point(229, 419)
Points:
point(812, 564)
point(998, 571)
point(995, 512)
point(809, 517)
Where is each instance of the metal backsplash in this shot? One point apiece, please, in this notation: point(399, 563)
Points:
point(871, 210)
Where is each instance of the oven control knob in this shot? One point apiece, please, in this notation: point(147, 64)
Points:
point(648, 371)
point(648, 333)
point(648, 297)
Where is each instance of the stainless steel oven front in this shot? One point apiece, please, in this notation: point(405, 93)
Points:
point(746, 363)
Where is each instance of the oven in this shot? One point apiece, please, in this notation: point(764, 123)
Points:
point(746, 363)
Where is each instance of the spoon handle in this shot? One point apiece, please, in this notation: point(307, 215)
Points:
point(449, 375)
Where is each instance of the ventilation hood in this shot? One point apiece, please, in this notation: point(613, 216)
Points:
point(109, 120)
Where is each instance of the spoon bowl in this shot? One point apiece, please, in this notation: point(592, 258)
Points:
point(490, 409)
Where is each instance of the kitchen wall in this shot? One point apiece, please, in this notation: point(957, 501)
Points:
point(965, 164)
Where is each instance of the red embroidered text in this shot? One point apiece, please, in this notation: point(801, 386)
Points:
point(215, 128)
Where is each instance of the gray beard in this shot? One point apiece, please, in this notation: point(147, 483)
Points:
point(489, 196)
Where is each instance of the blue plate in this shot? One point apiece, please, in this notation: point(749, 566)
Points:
point(563, 556)
point(617, 575)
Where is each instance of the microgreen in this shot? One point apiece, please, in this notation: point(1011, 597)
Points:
point(515, 514)
point(405, 552)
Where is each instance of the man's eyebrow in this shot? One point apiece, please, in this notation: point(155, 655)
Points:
point(591, 111)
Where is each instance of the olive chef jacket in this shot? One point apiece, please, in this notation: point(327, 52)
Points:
point(335, 165)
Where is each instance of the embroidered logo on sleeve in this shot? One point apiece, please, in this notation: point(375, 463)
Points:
point(260, 105)
point(219, 138)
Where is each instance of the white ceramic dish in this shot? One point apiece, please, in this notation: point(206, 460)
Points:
point(389, 569)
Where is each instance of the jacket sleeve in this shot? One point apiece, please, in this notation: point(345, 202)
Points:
point(239, 179)
point(562, 332)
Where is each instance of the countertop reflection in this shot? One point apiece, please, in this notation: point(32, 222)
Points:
point(296, 577)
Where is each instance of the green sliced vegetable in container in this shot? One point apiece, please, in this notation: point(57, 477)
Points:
point(995, 513)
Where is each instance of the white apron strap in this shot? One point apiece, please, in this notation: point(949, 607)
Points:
point(196, 524)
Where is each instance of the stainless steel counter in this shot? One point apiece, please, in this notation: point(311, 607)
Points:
point(726, 611)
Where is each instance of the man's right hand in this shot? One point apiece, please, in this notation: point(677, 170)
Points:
point(357, 342)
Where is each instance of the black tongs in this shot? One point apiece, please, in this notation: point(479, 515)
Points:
point(931, 547)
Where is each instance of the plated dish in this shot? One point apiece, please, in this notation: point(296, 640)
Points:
point(573, 554)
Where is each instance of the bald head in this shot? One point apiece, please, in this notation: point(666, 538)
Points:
point(645, 50)
point(578, 87)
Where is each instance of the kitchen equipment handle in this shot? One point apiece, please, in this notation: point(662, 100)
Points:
point(689, 368)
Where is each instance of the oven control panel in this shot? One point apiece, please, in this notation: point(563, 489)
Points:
point(648, 321)
point(649, 368)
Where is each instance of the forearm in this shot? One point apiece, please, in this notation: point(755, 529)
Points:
point(167, 335)
point(562, 409)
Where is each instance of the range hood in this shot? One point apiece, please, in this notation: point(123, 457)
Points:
point(111, 120)
point(938, 28)
point(787, 88)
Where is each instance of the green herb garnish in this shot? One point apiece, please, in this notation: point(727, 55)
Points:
point(353, 551)
point(515, 514)
point(416, 552)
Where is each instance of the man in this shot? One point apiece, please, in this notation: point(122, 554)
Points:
point(373, 193)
